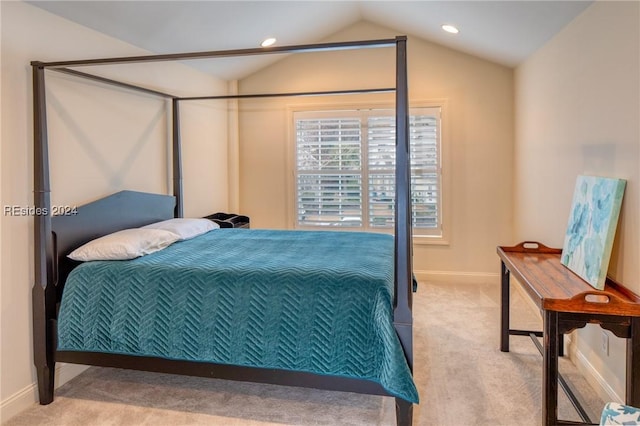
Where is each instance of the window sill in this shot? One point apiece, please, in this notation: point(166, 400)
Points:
point(430, 240)
point(420, 240)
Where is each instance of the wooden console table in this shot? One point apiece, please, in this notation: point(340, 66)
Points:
point(567, 302)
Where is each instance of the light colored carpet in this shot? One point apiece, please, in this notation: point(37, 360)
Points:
point(462, 377)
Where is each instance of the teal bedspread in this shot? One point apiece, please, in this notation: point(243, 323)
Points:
point(318, 302)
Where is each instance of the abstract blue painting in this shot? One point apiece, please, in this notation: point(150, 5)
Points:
point(592, 227)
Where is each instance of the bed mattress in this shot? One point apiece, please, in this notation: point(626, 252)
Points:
point(318, 302)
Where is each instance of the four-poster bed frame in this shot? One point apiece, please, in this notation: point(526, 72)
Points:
point(56, 236)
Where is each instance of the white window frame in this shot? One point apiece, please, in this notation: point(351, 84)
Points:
point(438, 236)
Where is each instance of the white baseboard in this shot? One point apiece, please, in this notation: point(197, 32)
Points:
point(18, 402)
point(28, 396)
point(588, 371)
point(458, 277)
point(591, 375)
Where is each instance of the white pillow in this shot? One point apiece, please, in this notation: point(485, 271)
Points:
point(185, 228)
point(125, 244)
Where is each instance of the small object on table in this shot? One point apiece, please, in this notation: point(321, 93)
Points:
point(229, 220)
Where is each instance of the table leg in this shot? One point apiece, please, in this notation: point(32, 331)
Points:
point(550, 369)
point(633, 364)
point(504, 309)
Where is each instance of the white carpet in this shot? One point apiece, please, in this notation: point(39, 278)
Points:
point(462, 377)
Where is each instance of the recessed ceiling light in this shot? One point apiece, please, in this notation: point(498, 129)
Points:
point(450, 29)
point(268, 42)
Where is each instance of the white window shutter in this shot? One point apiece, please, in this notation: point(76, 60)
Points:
point(345, 169)
point(329, 167)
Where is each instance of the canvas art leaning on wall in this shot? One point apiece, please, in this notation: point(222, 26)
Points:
point(592, 227)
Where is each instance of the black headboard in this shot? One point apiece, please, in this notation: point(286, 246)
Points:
point(122, 210)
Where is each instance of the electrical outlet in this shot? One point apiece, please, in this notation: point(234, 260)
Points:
point(605, 343)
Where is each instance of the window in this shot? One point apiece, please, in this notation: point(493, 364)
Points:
point(345, 169)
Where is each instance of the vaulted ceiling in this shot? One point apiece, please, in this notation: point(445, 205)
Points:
point(505, 32)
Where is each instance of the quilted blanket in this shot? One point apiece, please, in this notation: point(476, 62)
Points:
point(318, 302)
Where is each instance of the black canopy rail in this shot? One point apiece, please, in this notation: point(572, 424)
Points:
point(215, 97)
point(292, 94)
point(112, 82)
point(317, 47)
point(44, 292)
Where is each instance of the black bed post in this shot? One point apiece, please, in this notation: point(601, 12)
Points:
point(403, 270)
point(177, 159)
point(43, 292)
point(402, 316)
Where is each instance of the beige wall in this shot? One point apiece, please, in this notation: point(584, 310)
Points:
point(577, 104)
point(578, 109)
point(102, 140)
point(478, 134)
